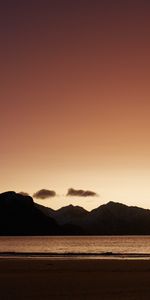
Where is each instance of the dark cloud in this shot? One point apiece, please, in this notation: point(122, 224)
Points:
point(24, 194)
point(81, 193)
point(44, 194)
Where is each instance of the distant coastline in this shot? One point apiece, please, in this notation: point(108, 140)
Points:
point(21, 216)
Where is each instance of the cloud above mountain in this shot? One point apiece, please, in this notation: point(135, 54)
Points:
point(44, 194)
point(23, 194)
point(81, 193)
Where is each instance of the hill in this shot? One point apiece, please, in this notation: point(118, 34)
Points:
point(108, 219)
point(19, 215)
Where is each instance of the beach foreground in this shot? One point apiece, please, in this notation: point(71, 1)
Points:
point(49, 278)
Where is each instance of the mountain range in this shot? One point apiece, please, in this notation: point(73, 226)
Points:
point(19, 215)
point(108, 219)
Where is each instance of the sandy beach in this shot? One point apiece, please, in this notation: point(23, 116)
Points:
point(40, 278)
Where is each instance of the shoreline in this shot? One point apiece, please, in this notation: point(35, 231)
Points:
point(50, 278)
point(77, 255)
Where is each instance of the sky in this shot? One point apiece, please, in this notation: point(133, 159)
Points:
point(75, 100)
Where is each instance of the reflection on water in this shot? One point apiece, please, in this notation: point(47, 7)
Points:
point(76, 245)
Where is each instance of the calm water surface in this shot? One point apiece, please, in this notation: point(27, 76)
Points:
point(98, 245)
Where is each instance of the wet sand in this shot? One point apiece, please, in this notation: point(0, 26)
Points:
point(39, 278)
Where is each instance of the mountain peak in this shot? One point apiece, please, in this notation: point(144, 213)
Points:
point(115, 204)
point(13, 198)
point(72, 208)
point(20, 216)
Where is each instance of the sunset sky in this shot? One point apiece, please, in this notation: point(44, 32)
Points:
point(75, 99)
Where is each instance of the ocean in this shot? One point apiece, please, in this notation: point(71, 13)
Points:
point(77, 246)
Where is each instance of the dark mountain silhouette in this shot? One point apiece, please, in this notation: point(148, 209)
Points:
point(65, 215)
point(19, 215)
point(108, 219)
point(117, 219)
point(70, 214)
point(46, 210)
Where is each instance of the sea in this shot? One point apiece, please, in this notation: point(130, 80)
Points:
point(121, 247)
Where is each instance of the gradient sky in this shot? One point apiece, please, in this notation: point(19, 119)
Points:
point(75, 99)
